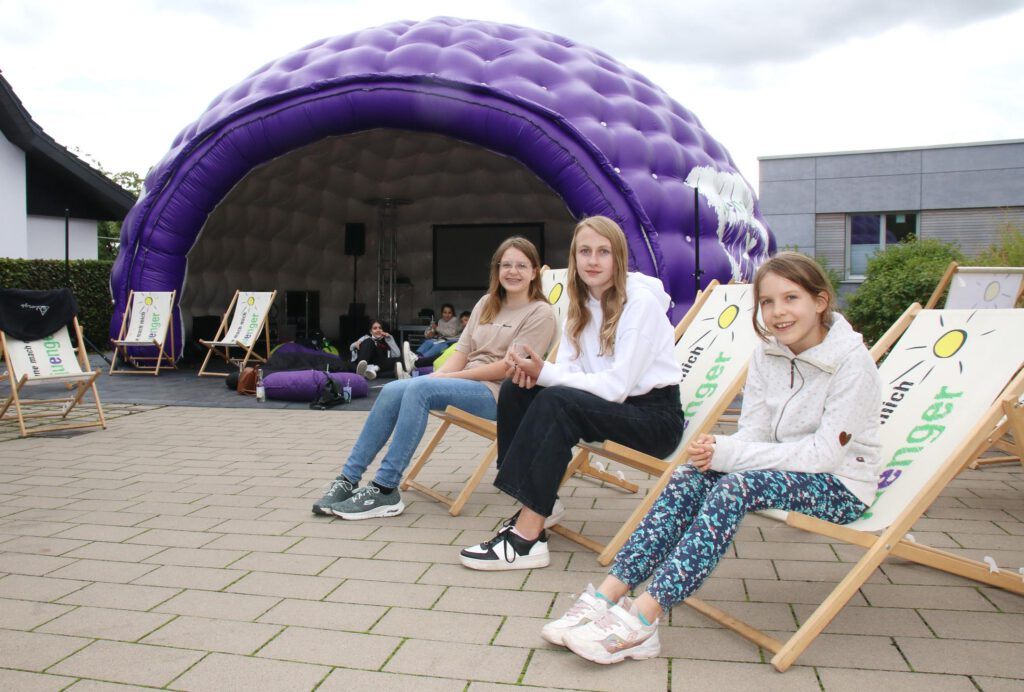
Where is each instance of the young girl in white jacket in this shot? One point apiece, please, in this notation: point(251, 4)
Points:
point(615, 378)
point(808, 442)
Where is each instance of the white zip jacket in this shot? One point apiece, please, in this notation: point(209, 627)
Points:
point(817, 412)
point(644, 343)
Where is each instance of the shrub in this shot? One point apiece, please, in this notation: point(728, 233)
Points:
point(90, 282)
point(1007, 252)
point(900, 275)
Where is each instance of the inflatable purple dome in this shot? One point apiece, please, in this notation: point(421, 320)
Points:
point(468, 121)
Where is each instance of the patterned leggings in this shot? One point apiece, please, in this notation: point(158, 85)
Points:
point(695, 518)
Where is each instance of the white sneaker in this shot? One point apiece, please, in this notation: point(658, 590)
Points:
point(616, 635)
point(400, 373)
point(557, 514)
point(408, 357)
point(371, 371)
point(507, 550)
point(361, 368)
point(587, 608)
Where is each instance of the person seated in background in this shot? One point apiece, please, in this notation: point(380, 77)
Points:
point(809, 441)
point(464, 318)
point(439, 335)
point(376, 353)
point(514, 309)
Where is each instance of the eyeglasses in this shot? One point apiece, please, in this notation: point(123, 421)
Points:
point(518, 266)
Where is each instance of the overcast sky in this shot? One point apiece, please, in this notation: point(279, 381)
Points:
point(118, 80)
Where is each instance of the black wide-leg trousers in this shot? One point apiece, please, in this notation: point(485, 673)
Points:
point(537, 429)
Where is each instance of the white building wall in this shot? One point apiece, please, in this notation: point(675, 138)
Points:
point(13, 225)
point(46, 238)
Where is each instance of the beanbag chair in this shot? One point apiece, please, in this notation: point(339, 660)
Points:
point(305, 385)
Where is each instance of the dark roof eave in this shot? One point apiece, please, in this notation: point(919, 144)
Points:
point(19, 127)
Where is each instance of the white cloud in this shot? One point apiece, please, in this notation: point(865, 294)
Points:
point(119, 79)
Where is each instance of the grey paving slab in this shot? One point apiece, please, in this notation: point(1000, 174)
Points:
point(723, 675)
point(349, 649)
point(346, 680)
point(207, 634)
point(466, 661)
point(36, 651)
point(23, 681)
point(106, 623)
point(564, 669)
point(227, 673)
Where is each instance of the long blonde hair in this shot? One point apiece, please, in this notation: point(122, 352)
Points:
point(496, 292)
point(613, 299)
point(802, 270)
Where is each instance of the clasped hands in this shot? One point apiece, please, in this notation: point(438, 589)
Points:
point(523, 370)
point(700, 451)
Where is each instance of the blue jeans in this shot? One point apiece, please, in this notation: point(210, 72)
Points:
point(402, 407)
point(432, 349)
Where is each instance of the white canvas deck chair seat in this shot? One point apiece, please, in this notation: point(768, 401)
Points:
point(248, 312)
point(38, 350)
point(945, 384)
point(717, 341)
point(985, 287)
point(145, 330)
point(553, 285)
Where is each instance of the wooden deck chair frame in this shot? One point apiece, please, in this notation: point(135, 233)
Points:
point(218, 345)
point(78, 384)
point(132, 322)
point(892, 540)
point(660, 468)
point(483, 427)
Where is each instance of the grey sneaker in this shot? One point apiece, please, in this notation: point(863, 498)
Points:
point(361, 367)
point(338, 491)
point(371, 372)
point(369, 502)
point(400, 372)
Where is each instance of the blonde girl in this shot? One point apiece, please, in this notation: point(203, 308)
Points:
point(615, 378)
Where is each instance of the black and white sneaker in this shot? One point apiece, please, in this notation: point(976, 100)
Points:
point(507, 550)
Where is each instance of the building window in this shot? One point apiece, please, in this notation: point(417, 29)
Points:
point(870, 233)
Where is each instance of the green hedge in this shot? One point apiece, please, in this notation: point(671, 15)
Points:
point(90, 281)
point(903, 274)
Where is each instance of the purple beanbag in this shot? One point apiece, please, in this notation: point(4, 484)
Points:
point(305, 385)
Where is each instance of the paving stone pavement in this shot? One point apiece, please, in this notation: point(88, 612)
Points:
point(176, 550)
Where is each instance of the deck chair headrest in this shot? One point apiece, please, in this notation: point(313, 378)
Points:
point(29, 315)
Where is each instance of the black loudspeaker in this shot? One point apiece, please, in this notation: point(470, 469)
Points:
point(355, 239)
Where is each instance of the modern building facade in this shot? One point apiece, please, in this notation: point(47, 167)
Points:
point(845, 206)
point(39, 180)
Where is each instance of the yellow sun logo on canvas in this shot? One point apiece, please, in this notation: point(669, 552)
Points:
point(251, 301)
point(730, 306)
point(555, 293)
point(149, 300)
point(947, 345)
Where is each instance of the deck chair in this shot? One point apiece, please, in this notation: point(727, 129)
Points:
point(984, 287)
point(38, 349)
point(944, 387)
point(553, 286)
point(144, 329)
point(979, 287)
point(718, 341)
point(248, 313)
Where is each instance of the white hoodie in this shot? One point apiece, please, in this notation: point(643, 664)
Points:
point(817, 412)
point(644, 344)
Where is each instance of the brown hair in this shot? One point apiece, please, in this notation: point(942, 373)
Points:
point(802, 270)
point(613, 299)
point(496, 292)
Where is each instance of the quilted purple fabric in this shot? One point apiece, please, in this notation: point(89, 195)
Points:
point(603, 137)
point(305, 385)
